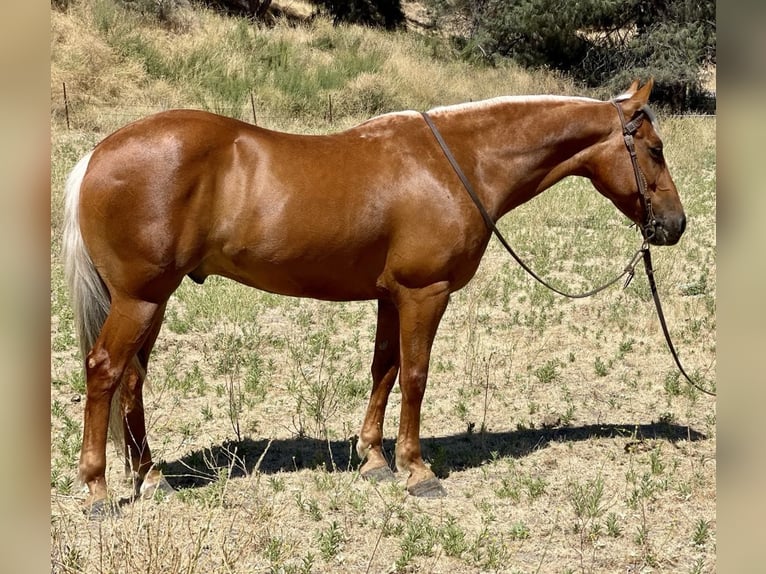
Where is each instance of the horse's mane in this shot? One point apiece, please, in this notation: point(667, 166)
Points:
point(508, 100)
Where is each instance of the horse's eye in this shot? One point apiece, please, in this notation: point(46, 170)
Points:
point(656, 152)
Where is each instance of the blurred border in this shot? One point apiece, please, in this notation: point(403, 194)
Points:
point(24, 287)
point(741, 264)
point(25, 280)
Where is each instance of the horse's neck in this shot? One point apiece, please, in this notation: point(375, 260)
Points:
point(518, 150)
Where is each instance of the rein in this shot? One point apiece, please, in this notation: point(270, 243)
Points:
point(647, 230)
point(661, 316)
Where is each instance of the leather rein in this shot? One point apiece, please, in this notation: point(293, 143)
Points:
point(647, 230)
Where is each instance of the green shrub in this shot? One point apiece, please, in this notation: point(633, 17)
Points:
point(380, 13)
point(601, 43)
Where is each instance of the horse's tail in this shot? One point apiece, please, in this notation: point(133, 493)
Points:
point(89, 296)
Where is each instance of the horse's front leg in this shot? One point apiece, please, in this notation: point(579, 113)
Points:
point(419, 313)
point(385, 367)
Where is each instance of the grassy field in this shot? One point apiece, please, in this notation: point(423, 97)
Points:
point(561, 430)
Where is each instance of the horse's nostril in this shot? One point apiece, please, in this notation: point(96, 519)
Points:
point(682, 224)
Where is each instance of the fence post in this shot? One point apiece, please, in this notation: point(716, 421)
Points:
point(329, 108)
point(66, 105)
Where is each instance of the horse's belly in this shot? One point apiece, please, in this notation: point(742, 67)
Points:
point(338, 278)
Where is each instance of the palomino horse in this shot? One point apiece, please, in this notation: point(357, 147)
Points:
point(374, 212)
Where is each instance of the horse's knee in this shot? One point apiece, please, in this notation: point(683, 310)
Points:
point(413, 382)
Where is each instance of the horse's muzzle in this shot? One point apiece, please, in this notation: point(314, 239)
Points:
point(667, 230)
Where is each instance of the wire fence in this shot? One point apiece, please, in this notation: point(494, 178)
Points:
point(325, 111)
point(77, 114)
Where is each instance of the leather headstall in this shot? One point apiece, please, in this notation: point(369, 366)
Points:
point(628, 131)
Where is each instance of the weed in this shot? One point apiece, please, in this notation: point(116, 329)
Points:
point(453, 538)
point(508, 489)
point(587, 501)
point(698, 566)
point(307, 564)
point(310, 507)
point(175, 323)
point(601, 369)
point(277, 484)
point(535, 486)
point(330, 540)
point(275, 553)
point(698, 287)
point(667, 418)
point(672, 383)
point(488, 552)
point(626, 346)
point(418, 540)
point(519, 531)
point(461, 409)
point(642, 535)
point(569, 415)
point(62, 483)
point(207, 413)
point(318, 386)
point(438, 462)
point(701, 532)
point(487, 511)
point(587, 498)
point(547, 373)
point(612, 525)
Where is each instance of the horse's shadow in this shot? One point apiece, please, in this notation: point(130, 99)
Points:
point(445, 454)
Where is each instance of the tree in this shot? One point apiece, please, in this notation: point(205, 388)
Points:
point(600, 42)
point(379, 13)
point(250, 8)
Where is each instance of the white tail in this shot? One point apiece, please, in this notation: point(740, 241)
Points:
point(87, 292)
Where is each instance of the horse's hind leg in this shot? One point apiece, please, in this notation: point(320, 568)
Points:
point(385, 367)
point(147, 479)
point(124, 332)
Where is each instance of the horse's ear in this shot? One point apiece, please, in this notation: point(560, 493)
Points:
point(639, 97)
point(645, 91)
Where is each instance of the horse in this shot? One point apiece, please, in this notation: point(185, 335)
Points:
point(374, 212)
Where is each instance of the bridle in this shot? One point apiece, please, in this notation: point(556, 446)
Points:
point(648, 229)
point(628, 130)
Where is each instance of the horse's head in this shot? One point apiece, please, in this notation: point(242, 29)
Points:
point(631, 170)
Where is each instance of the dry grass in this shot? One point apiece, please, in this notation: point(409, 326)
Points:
point(562, 433)
point(118, 66)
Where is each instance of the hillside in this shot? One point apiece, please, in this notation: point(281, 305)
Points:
point(118, 64)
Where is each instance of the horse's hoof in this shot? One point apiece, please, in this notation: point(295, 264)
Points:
point(380, 474)
point(429, 488)
point(101, 509)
